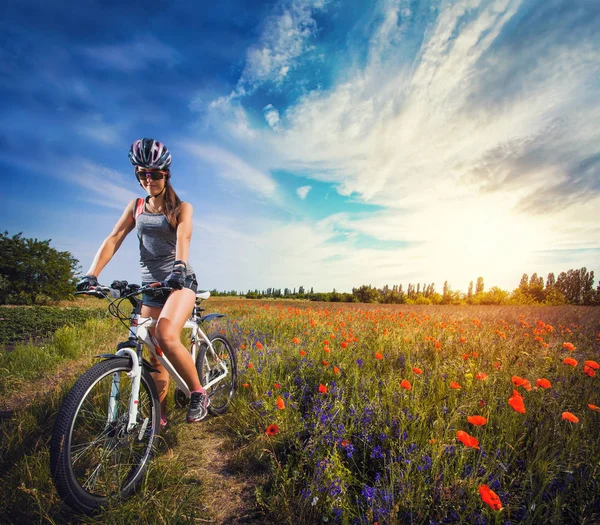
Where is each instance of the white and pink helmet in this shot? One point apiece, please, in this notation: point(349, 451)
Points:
point(149, 153)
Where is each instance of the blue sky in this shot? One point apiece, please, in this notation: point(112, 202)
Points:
point(322, 143)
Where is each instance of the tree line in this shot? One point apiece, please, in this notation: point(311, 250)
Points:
point(570, 287)
point(32, 272)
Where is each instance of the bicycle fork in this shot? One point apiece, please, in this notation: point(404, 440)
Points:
point(135, 374)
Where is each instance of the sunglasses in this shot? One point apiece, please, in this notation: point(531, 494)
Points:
point(154, 174)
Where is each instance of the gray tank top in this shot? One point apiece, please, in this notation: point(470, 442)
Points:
point(157, 246)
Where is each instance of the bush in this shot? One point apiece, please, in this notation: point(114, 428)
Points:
point(27, 323)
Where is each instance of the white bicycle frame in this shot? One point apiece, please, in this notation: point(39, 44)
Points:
point(140, 330)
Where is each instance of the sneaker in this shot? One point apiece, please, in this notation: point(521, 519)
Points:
point(198, 407)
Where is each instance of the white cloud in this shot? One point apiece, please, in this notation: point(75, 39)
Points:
point(271, 116)
point(302, 191)
point(472, 149)
point(284, 39)
point(233, 168)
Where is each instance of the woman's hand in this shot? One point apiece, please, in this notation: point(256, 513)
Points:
point(87, 282)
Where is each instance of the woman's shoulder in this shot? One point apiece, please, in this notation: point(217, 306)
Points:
point(186, 207)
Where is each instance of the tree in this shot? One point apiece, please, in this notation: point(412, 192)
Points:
point(366, 294)
point(536, 288)
point(32, 271)
point(577, 286)
point(470, 292)
point(524, 284)
point(479, 287)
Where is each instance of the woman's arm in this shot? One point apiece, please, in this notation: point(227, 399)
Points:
point(112, 243)
point(184, 232)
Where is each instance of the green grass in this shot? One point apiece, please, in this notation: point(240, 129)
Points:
point(367, 450)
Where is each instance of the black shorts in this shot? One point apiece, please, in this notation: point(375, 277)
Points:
point(158, 299)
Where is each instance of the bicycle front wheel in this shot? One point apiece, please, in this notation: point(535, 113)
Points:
point(220, 365)
point(93, 457)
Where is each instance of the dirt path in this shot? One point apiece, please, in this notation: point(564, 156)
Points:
point(208, 454)
point(205, 448)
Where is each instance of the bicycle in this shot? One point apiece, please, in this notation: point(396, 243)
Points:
point(107, 426)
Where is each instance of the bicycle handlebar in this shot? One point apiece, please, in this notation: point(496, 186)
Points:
point(124, 289)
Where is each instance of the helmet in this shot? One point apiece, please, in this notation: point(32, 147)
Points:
point(149, 153)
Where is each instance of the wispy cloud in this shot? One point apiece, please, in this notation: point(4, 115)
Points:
point(285, 37)
point(233, 168)
point(456, 147)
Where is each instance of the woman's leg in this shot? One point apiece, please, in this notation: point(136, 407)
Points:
point(161, 378)
point(175, 313)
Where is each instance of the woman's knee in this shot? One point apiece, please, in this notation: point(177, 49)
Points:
point(167, 338)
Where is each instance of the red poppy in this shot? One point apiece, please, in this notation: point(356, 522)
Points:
point(246, 385)
point(517, 381)
point(322, 389)
point(336, 370)
point(569, 346)
point(302, 353)
point(325, 342)
point(526, 384)
point(592, 364)
point(272, 430)
point(250, 365)
point(325, 363)
point(455, 385)
point(477, 421)
point(570, 361)
point(467, 440)
point(594, 407)
point(258, 345)
point(543, 383)
point(277, 385)
point(588, 370)
point(489, 497)
point(344, 344)
point(405, 384)
point(345, 443)
point(481, 376)
point(517, 404)
point(417, 371)
point(326, 349)
point(378, 355)
point(296, 341)
point(568, 416)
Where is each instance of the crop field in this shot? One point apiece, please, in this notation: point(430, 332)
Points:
point(364, 414)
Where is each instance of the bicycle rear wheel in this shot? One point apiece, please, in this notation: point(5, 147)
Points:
point(93, 458)
point(212, 365)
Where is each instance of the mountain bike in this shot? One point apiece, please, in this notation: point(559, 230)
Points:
point(107, 426)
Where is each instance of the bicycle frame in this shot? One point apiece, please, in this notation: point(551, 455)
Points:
point(139, 336)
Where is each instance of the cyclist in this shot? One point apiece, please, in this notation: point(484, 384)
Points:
point(164, 230)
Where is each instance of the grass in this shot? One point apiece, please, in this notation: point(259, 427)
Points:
point(353, 446)
point(368, 450)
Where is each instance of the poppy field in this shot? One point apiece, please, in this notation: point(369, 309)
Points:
point(364, 414)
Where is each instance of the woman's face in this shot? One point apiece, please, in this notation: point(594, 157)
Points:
point(153, 181)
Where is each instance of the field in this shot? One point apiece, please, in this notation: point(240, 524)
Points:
point(363, 414)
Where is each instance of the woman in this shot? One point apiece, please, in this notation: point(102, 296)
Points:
point(164, 229)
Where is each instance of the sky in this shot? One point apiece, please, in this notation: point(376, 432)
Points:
point(322, 143)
